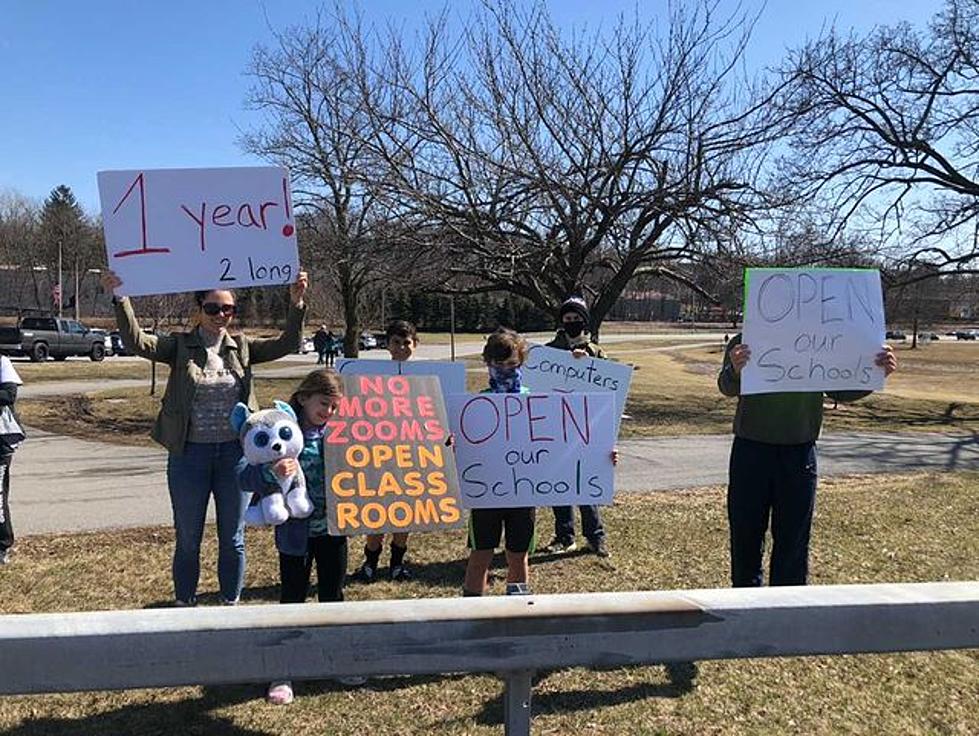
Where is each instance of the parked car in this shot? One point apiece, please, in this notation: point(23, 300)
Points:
point(894, 335)
point(42, 337)
point(367, 341)
point(966, 335)
point(306, 345)
point(106, 340)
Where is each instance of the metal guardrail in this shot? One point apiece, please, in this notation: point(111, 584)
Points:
point(514, 636)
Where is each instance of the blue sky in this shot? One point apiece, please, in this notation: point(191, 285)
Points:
point(108, 84)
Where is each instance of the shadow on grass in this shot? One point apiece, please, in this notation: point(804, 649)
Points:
point(682, 680)
point(191, 716)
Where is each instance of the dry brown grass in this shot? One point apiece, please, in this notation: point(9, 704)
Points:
point(86, 370)
point(868, 529)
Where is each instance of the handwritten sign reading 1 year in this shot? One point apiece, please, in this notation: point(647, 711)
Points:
point(388, 468)
point(174, 230)
point(816, 329)
point(518, 450)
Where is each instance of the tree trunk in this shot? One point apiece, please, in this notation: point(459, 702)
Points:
point(351, 346)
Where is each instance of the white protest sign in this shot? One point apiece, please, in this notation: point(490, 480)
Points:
point(550, 369)
point(518, 450)
point(174, 230)
point(452, 376)
point(813, 329)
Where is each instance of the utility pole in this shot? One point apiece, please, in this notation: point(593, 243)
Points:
point(452, 328)
point(76, 289)
point(61, 292)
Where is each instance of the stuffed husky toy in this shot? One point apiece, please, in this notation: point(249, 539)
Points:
point(268, 436)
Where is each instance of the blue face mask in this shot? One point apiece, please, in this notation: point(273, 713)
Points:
point(504, 380)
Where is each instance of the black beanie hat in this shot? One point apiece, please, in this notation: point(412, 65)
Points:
point(575, 304)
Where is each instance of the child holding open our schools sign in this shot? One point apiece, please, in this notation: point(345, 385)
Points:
point(504, 354)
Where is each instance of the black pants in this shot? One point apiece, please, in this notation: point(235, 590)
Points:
point(777, 481)
point(330, 555)
point(6, 528)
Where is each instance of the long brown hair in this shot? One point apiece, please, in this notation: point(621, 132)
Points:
point(324, 381)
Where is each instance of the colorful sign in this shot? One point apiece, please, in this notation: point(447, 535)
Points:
point(176, 230)
point(452, 376)
point(550, 369)
point(388, 467)
point(812, 329)
point(517, 450)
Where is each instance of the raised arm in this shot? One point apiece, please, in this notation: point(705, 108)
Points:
point(264, 350)
point(136, 341)
point(735, 358)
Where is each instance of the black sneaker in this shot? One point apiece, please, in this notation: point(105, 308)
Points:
point(400, 573)
point(365, 573)
point(598, 547)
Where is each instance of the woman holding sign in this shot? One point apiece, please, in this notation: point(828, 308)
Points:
point(210, 371)
point(773, 472)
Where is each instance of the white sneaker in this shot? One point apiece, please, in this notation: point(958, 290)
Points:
point(280, 693)
point(5, 557)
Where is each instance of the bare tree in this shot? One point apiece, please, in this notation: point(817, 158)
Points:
point(316, 125)
point(18, 237)
point(887, 131)
point(551, 163)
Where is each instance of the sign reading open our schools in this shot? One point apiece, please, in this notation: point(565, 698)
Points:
point(550, 369)
point(452, 376)
point(388, 468)
point(813, 329)
point(175, 230)
point(518, 450)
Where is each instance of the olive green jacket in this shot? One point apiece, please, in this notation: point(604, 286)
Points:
point(186, 355)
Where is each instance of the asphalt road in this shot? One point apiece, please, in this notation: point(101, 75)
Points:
point(64, 484)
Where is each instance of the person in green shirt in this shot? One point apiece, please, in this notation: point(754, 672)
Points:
point(773, 471)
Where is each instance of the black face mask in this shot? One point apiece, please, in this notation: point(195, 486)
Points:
point(573, 329)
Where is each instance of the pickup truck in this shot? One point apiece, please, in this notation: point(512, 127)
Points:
point(42, 337)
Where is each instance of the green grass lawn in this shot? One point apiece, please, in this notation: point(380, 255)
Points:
point(917, 527)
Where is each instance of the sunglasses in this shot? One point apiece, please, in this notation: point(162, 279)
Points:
point(213, 309)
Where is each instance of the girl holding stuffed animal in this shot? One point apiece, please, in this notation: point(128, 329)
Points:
point(301, 542)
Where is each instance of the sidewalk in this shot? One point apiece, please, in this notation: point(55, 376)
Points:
point(65, 484)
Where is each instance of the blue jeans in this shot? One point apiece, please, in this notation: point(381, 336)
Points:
point(591, 523)
point(205, 468)
point(776, 483)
